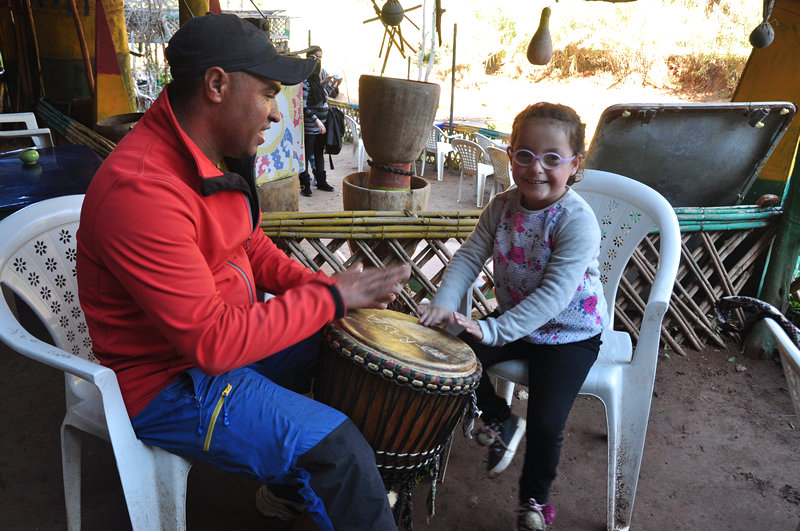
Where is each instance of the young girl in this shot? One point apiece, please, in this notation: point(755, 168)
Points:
point(544, 242)
point(315, 119)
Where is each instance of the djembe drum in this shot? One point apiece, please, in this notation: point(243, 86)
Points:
point(404, 385)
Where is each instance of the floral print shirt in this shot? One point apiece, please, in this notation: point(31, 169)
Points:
point(545, 267)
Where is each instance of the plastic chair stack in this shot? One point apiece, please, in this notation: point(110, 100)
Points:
point(437, 145)
point(358, 143)
point(37, 264)
point(472, 157)
point(502, 170)
point(41, 136)
point(622, 377)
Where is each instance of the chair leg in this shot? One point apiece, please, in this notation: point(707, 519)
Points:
point(159, 478)
point(504, 389)
point(627, 426)
point(424, 156)
point(460, 184)
point(440, 166)
point(71, 441)
point(481, 186)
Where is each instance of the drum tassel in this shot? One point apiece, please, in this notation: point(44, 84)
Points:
point(470, 415)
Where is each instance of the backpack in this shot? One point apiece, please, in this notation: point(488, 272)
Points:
point(335, 132)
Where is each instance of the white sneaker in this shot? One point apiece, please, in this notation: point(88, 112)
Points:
point(272, 506)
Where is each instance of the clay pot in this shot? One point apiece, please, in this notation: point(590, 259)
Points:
point(762, 36)
point(392, 13)
point(356, 195)
point(117, 126)
point(540, 49)
point(395, 115)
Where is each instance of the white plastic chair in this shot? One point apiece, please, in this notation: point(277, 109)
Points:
point(621, 378)
point(501, 165)
point(790, 361)
point(37, 263)
point(41, 136)
point(484, 141)
point(438, 148)
point(472, 155)
point(358, 143)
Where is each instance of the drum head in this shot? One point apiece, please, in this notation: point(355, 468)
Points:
point(399, 337)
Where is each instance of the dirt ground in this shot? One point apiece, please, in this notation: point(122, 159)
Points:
point(721, 449)
point(720, 453)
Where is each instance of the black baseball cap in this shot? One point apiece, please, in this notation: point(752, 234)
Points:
point(233, 44)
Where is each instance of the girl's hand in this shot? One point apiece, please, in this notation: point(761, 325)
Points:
point(321, 127)
point(433, 315)
point(470, 325)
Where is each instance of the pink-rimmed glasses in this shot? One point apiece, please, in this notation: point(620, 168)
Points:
point(549, 161)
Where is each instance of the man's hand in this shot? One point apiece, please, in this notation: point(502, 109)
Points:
point(371, 287)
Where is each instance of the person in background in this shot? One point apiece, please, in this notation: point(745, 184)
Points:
point(315, 114)
point(171, 259)
point(544, 241)
point(330, 82)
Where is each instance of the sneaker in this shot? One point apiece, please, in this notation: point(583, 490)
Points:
point(532, 516)
point(502, 440)
point(272, 506)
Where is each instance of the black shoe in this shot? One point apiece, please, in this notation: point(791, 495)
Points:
point(305, 191)
point(325, 187)
point(502, 440)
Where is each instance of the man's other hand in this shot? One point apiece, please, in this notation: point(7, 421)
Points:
point(371, 287)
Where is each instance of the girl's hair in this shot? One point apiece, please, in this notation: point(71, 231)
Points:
point(316, 94)
point(576, 130)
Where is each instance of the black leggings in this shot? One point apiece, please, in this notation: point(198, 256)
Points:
point(555, 375)
point(315, 145)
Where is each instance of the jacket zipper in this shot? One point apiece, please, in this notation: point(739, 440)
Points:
point(246, 280)
point(215, 415)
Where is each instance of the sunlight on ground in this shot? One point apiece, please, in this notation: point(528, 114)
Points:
point(643, 32)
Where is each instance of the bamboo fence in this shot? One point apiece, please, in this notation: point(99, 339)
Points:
point(723, 249)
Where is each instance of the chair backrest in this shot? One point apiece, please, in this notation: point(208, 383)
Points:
point(41, 136)
point(470, 153)
point(500, 163)
point(353, 127)
point(483, 140)
point(434, 133)
point(37, 263)
point(27, 118)
point(627, 211)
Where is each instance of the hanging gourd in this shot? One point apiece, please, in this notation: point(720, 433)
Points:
point(540, 49)
point(763, 35)
point(392, 13)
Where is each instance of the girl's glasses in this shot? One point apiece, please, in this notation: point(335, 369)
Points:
point(549, 161)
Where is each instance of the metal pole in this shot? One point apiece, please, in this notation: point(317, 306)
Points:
point(453, 77)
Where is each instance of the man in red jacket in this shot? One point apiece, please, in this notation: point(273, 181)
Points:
point(170, 259)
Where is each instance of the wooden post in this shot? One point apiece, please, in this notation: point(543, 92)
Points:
point(453, 77)
point(192, 8)
point(782, 260)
